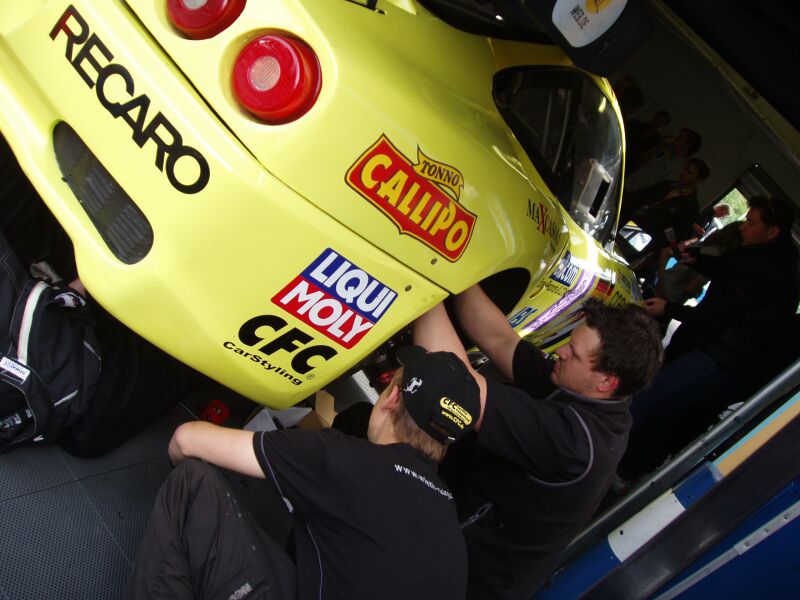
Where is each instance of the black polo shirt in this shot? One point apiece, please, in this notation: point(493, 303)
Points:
point(371, 521)
point(532, 477)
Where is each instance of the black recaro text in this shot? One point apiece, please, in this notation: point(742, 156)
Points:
point(91, 59)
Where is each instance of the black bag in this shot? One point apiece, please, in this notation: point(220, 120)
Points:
point(49, 362)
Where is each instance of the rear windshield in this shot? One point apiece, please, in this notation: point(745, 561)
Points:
point(572, 135)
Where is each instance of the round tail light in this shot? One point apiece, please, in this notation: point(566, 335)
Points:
point(202, 19)
point(277, 78)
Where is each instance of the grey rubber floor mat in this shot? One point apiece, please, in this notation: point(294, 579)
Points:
point(69, 527)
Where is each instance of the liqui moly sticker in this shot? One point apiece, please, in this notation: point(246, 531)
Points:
point(337, 298)
point(420, 198)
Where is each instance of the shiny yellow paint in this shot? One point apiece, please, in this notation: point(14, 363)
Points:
point(277, 196)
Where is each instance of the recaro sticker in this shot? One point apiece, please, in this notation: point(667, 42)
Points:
point(420, 198)
point(336, 298)
point(118, 92)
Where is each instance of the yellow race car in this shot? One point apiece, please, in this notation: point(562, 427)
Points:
point(271, 191)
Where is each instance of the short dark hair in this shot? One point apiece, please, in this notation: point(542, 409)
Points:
point(693, 141)
point(630, 344)
point(703, 170)
point(774, 212)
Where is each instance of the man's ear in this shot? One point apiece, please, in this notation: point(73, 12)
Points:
point(608, 383)
point(773, 232)
point(392, 398)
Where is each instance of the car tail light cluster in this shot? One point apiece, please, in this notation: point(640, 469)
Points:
point(202, 19)
point(276, 77)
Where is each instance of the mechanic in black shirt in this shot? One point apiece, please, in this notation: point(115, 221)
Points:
point(546, 447)
point(372, 519)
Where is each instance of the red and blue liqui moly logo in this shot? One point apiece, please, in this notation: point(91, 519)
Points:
point(336, 298)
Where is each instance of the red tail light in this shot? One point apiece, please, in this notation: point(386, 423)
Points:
point(201, 19)
point(277, 78)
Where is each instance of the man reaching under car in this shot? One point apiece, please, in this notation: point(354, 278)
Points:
point(545, 448)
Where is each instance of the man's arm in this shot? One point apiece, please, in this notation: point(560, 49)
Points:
point(487, 326)
point(663, 258)
point(227, 448)
point(658, 307)
point(434, 332)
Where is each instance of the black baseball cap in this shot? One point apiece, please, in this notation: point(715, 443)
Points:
point(439, 392)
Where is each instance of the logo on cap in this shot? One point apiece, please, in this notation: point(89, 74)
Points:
point(413, 385)
point(455, 412)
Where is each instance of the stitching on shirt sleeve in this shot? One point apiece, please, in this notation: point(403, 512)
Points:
point(588, 465)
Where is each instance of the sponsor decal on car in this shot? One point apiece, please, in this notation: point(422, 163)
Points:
point(519, 317)
point(629, 284)
point(603, 289)
point(265, 363)
point(560, 328)
point(617, 299)
point(185, 167)
point(420, 198)
point(546, 224)
point(566, 271)
point(581, 23)
point(270, 334)
point(553, 287)
point(337, 298)
point(582, 286)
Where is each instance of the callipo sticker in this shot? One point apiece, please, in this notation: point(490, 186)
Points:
point(420, 198)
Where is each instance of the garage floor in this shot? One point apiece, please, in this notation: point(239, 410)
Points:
point(70, 526)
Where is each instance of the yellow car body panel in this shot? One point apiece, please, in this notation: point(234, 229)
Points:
point(416, 83)
point(283, 256)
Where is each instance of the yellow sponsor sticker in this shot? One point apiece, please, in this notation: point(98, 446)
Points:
point(445, 175)
point(455, 412)
point(417, 198)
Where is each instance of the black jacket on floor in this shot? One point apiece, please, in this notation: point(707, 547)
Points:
point(49, 359)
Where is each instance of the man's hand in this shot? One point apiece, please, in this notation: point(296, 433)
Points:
point(77, 285)
point(655, 306)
